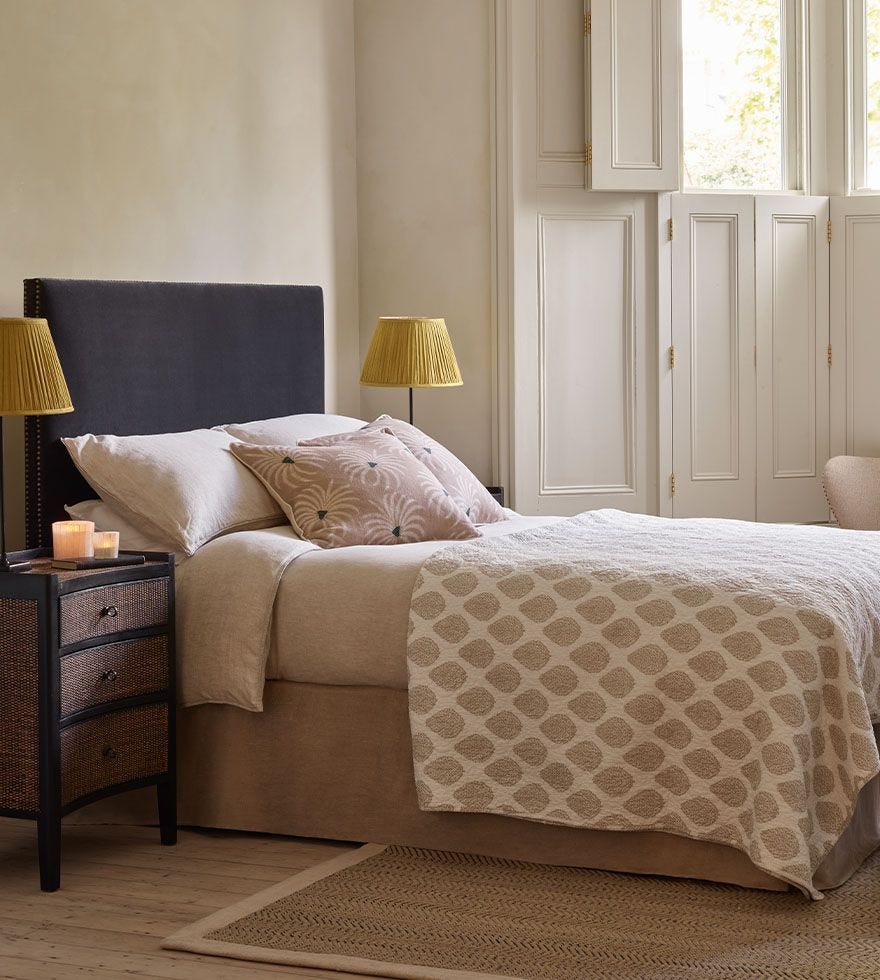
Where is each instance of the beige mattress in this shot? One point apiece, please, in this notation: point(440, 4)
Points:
point(341, 615)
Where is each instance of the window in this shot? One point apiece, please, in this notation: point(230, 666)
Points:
point(742, 108)
point(872, 91)
point(864, 82)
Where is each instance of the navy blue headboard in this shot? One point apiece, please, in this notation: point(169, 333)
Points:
point(146, 357)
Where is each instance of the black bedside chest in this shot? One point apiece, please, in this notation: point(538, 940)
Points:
point(86, 692)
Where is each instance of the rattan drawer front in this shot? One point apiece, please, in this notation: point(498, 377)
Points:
point(113, 608)
point(113, 748)
point(114, 671)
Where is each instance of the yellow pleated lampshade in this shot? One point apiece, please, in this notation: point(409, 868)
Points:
point(410, 352)
point(31, 379)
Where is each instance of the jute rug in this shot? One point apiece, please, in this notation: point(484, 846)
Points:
point(431, 915)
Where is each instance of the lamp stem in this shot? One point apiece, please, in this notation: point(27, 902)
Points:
point(4, 560)
point(5, 564)
point(410, 407)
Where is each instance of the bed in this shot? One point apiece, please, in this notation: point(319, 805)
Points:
point(331, 753)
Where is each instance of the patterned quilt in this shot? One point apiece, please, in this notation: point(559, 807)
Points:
point(712, 679)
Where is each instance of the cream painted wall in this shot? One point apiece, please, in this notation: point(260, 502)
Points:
point(423, 127)
point(182, 139)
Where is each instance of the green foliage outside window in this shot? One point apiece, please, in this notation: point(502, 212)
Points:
point(732, 79)
point(872, 85)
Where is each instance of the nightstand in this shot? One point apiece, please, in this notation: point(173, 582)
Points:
point(86, 692)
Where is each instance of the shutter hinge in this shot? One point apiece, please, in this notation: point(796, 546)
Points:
point(670, 229)
point(588, 24)
point(672, 357)
point(588, 154)
point(672, 485)
point(828, 231)
point(829, 355)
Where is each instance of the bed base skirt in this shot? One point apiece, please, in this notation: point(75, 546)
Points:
point(336, 763)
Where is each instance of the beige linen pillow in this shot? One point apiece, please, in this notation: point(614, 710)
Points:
point(461, 484)
point(368, 489)
point(179, 487)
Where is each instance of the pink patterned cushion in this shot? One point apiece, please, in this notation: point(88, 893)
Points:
point(463, 487)
point(368, 489)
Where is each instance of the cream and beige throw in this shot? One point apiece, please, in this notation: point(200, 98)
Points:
point(714, 679)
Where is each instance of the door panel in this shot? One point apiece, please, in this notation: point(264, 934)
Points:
point(713, 331)
point(855, 326)
point(587, 320)
point(791, 262)
point(633, 94)
point(560, 104)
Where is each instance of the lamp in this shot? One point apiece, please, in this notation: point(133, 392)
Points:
point(410, 352)
point(31, 383)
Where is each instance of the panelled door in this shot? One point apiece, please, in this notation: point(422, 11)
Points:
point(713, 338)
point(791, 283)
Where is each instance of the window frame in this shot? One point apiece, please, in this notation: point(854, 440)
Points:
point(794, 107)
point(856, 68)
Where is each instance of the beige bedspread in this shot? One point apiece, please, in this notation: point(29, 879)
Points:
point(715, 679)
point(259, 605)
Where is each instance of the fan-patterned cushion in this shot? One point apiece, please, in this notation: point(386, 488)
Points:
point(461, 484)
point(364, 490)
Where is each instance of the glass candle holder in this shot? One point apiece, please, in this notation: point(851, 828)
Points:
point(73, 539)
point(106, 544)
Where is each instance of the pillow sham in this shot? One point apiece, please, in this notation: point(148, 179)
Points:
point(368, 489)
point(460, 483)
point(107, 519)
point(179, 487)
point(289, 429)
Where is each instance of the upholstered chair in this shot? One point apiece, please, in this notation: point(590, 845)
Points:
point(852, 487)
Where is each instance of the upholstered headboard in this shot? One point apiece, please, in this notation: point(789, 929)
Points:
point(146, 357)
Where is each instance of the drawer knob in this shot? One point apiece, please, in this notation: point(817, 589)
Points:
point(110, 611)
point(109, 753)
point(109, 676)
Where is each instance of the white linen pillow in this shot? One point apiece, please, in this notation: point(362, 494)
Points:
point(289, 429)
point(107, 519)
point(181, 487)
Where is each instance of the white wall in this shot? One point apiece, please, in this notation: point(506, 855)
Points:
point(424, 195)
point(182, 139)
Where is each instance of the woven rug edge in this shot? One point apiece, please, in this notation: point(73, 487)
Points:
point(192, 938)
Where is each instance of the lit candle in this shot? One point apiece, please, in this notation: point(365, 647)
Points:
point(73, 539)
point(106, 544)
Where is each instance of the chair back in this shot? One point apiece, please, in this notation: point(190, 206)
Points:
point(852, 488)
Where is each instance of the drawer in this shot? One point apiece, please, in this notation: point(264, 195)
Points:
point(98, 675)
point(112, 609)
point(113, 748)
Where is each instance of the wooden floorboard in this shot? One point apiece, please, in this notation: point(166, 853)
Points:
point(122, 893)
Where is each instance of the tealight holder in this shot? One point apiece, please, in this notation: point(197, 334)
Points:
point(73, 539)
point(106, 544)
